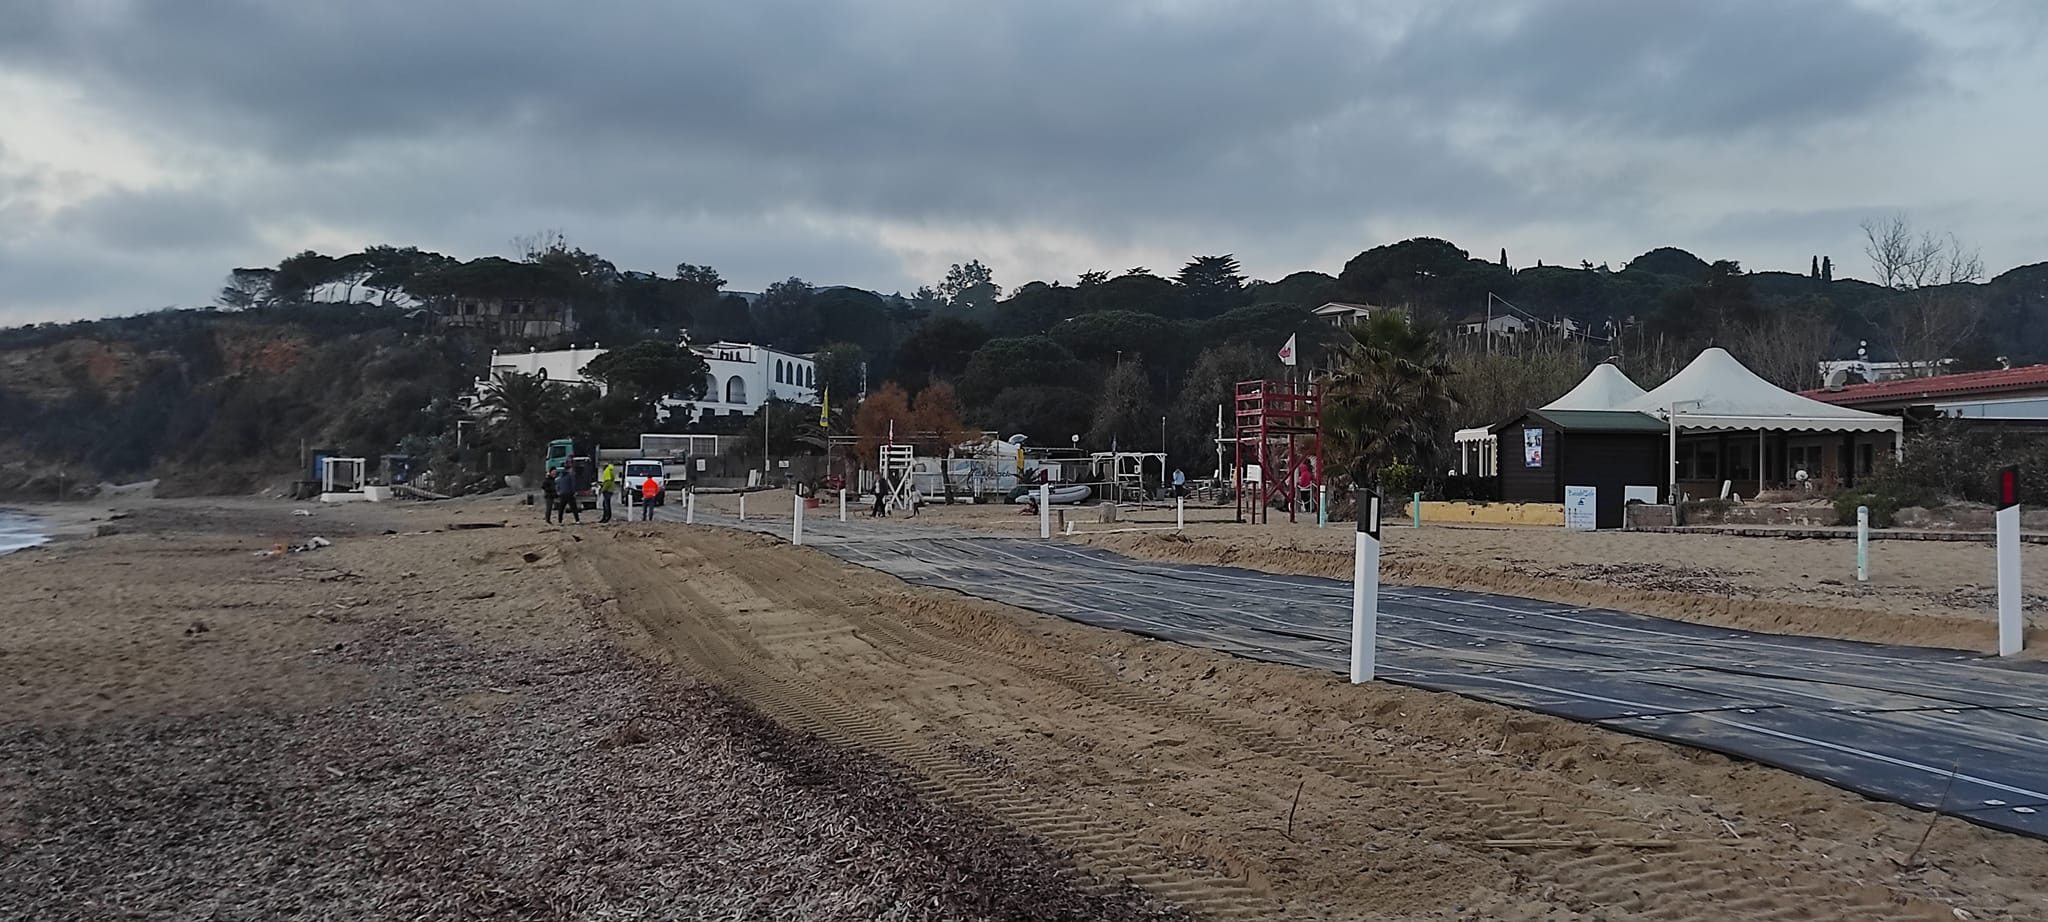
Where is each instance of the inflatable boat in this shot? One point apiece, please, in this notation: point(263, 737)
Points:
point(1062, 495)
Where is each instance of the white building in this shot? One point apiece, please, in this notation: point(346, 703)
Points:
point(743, 376)
point(564, 365)
point(1835, 372)
point(1346, 314)
point(1500, 325)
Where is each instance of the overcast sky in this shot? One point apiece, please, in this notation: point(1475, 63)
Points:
point(147, 146)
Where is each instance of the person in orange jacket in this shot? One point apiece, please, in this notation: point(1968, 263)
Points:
point(648, 491)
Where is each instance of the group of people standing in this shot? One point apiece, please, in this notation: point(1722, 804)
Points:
point(561, 491)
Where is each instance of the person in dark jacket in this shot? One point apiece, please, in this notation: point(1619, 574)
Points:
point(547, 498)
point(566, 488)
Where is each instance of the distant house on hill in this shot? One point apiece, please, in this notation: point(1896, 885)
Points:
point(523, 318)
point(1498, 325)
point(1343, 314)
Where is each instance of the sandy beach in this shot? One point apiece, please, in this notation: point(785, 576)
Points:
point(453, 711)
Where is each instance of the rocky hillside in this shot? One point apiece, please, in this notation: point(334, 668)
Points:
point(210, 400)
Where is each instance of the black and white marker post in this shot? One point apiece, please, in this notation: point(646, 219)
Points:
point(2011, 629)
point(1365, 588)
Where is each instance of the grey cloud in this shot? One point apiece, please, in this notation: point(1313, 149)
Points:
point(656, 131)
point(179, 221)
point(1671, 68)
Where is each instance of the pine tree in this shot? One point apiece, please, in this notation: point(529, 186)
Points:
point(1814, 273)
point(1827, 269)
point(1503, 257)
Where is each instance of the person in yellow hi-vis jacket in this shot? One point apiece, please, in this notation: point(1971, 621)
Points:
point(607, 481)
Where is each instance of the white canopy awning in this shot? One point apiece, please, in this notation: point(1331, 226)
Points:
point(1604, 388)
point(1716, 392)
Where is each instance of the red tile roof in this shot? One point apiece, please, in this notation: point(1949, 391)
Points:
point(1968, 384)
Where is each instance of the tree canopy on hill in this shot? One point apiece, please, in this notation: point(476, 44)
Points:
point(1034, 359)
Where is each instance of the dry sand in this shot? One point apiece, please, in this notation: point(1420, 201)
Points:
point(417, 723)
point(1931, 593)
point(566, 723)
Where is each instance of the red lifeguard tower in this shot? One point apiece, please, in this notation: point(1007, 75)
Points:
point(1279, 429)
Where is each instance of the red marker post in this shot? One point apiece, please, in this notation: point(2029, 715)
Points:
point(2011, 627)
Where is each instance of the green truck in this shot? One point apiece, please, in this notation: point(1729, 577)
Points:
point(581, 454)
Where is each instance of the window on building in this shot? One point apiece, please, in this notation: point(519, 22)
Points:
point(1866, 459)
point(1698, 461)
point(810, 376)
point(1804, 458)
point(735, 390)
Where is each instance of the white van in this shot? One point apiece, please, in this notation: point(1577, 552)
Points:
point(636, 473)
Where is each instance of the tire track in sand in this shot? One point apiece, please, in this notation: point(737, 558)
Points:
point(1693, 881)
point(698, 629)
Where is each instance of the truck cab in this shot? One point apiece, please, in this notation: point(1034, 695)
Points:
point(580, 455)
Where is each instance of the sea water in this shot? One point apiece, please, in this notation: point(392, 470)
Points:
point(18, 531)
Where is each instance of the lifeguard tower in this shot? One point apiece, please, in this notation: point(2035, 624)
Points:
point(897, 463)
point(1279, 432)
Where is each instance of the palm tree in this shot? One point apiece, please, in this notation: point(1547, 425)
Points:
point(1387, 399)
point(524, 408)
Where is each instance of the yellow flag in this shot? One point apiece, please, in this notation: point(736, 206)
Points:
point(825, 411)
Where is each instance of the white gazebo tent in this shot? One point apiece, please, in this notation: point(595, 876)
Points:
point(1604, 388)
point(1716, 393)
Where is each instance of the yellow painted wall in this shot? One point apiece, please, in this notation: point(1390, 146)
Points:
point(1494, 513)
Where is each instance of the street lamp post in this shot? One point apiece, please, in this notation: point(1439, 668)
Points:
point(1671, 417)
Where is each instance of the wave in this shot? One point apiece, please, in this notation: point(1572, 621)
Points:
point(18, 531)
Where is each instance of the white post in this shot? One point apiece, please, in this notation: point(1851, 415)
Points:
point(1863, 544)
point(796, 518)
point(743, 507)
point(1365, 588)
point(1180, 514)
point(690, 507)
point(2011, 628)
point(1045, 510)
point(842, 504)
point(1671, 455)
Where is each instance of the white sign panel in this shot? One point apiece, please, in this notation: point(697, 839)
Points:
point(1579, 512)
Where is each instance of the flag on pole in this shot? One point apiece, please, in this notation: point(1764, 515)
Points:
point(1287, 353)
point(825, 411)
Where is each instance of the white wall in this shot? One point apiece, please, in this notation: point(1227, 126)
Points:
point(761, 372)
point(561, 365)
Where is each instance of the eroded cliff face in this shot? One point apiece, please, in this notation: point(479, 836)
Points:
point(52, 374)
point(215, 403)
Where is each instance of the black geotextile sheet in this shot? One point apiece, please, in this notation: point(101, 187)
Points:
point(1890, 722)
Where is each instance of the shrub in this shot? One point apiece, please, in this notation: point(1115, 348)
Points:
point(1956, 461)
point(1399, 479)
point(1884, 499)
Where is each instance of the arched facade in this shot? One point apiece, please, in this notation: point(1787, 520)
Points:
point(735, 390)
